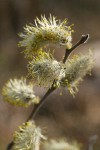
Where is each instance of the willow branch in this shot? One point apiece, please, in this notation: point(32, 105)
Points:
point(36, 109)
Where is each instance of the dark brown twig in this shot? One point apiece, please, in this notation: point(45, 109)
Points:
point(37, 107)
point(10, 145)
point(83, 39)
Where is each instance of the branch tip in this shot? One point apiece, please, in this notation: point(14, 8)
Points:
point(84, 38)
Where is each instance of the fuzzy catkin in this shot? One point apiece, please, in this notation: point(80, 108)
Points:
point(75, 69)
point(45, 32)
point(18, 92)
point(60, 145)
point(28, 137)
point(44, 69)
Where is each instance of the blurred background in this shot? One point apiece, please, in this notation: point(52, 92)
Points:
point(76, 119)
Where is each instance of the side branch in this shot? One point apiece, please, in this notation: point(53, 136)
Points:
point(37, 107)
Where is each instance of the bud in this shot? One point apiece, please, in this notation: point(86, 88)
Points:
point(18, 92)
point(44, 32)
point(60, 145)
point(75, 69)
point(44, 69)
point(28, 137)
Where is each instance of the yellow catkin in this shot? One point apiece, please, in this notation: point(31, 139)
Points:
point(44, 32)
point(28, 137)
point(18, 92)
